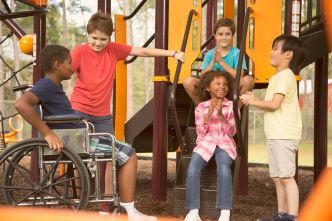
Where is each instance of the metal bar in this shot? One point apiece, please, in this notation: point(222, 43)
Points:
point(4, 2)
point(176, 79)
point(309, 12)
point(320, 116)
point(160, 101)
point(11, 15)
point(207, 42)
point(314, 18)
point(15, 73)
point(13, 26)
point(139, 6)
point(147, 43)
point(204, 3)
point(8, 36)
point(288, 16)
point(211, 18)
point(237, 83)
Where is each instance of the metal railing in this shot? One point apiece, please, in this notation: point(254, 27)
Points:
point(176, 79)
point(237, 83)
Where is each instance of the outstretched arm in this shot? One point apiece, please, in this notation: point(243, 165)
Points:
point(25, 106)
point(271, 105)
point(155, 52)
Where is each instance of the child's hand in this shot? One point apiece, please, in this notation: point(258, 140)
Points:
point(217, 55)
point(179, 55)
point(248, 98)
point(218, 107)
point(54, 142)
point(209, 113)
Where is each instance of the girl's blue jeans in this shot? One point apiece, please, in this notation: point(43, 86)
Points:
point(224, 180)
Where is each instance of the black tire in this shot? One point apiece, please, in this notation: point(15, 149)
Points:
point(118, 210)
point(23, 187)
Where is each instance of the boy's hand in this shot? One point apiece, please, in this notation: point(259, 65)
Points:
point(217, 55)
point(54, 142)
point(248, 98)
point(179, 55)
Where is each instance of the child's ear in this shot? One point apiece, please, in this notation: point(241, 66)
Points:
point(56, 65)
point(289, 54)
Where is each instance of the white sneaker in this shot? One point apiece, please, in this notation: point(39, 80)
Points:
point(224, 217)
point(138, 216)
point(192, 217)
point(103, 213)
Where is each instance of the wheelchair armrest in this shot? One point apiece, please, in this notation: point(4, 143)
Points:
point(62, 118)
point(22, 87)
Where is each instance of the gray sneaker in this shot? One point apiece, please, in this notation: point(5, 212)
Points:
point(192, 217)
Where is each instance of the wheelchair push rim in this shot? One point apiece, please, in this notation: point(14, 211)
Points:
point(58, 181)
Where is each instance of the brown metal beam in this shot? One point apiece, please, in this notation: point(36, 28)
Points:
point(320, 116)
point(160, 127)
point(211, 18)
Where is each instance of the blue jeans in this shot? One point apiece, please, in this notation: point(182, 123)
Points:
point(224, 180)
point(102, 124)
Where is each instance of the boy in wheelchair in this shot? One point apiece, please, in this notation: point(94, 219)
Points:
point(48, 92)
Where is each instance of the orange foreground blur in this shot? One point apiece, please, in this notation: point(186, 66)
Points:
point(318, 205)
point(43, 214)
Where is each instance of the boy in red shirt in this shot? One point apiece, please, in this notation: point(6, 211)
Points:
point(94, 64)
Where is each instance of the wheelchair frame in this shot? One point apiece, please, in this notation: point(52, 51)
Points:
point(56, 179)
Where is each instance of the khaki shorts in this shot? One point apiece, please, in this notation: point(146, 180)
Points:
point(282, 155)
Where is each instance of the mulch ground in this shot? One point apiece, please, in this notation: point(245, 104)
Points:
point(260, 201)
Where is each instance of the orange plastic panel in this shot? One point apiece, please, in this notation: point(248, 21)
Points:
point(267, 19)
point(229, 9)
point(178, 15)
point(121, 81)
point(41, 3)
point(328, 14)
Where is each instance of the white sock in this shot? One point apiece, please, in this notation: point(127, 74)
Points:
point(129, 207)
point(193, 211)
point(225, 214)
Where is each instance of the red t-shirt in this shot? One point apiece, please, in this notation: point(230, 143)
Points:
point(95, 72)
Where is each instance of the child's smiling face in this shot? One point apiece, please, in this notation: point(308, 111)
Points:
point(224, 37)
point(218, 88)
point(98, 40)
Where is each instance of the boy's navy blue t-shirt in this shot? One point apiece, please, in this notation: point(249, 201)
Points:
point(53, 101)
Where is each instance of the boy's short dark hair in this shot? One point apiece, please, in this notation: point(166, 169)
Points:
point(206, 79)
point(52, 53)
point(101, 22)
point(224, 22)
point(294, 44)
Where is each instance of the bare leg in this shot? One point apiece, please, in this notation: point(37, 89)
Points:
point(108, 179)
point(281, 195)
point(292, 194)
point(127, 179)
point(190, 84)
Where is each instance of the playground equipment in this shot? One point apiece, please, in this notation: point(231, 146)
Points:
point(10, 137)
point(168, 129)
point(26, 44)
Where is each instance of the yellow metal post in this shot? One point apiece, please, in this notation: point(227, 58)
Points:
point(229, 9)
point(120, 81)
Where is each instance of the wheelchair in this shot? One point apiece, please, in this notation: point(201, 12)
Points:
point(34, 175)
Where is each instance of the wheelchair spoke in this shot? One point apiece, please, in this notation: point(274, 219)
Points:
point(24, 198)
point(62, 181)
point(54, 166)
point(59, 197)
point(13, 188)
point(18, 169)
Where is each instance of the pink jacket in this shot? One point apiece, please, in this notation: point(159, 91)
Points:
point(215, 133)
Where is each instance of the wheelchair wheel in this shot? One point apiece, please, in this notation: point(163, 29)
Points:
point(59, 180)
